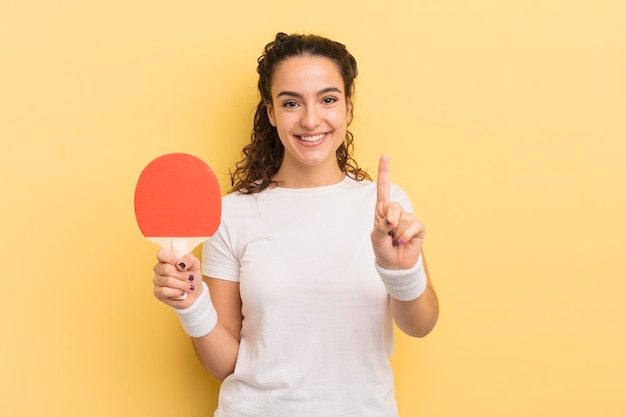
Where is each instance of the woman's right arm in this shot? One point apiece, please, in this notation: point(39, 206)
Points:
point(217, 348)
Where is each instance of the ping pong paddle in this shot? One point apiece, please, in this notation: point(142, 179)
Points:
point(178, 203)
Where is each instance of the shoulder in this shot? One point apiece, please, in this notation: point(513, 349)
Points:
point(237, 199)
point(395, 190)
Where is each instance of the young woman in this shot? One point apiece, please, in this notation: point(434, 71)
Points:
point(303, 289)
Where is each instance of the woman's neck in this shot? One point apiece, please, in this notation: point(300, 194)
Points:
point(307, 176)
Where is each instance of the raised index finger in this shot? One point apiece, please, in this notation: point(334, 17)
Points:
point(382, 185)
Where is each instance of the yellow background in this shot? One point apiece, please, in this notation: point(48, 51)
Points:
point(505, 122)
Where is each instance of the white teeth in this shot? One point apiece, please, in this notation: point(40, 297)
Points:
point(312, 138)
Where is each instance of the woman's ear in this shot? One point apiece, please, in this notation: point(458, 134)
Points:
point(270, 113)
point(349, 108)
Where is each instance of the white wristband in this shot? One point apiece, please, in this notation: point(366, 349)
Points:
point(404, 284)
point(200, 318)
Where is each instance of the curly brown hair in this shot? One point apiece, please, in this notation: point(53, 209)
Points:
point(262, 157)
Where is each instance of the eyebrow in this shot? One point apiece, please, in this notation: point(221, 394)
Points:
point(319, 93)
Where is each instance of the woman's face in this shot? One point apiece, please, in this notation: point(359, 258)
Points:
point(309, 110)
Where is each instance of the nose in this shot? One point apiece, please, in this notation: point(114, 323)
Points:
point(310, 118)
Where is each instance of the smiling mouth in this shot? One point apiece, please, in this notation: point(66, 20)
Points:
point(315, 138)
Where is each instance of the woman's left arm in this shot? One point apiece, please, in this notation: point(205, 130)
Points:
point(397, 240)
point(417, 317)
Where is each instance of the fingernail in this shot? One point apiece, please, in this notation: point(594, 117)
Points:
point(182, 293)
point(401, 242)
point(182, 265)
point(395, 243)
point(192, 287)
point(191, 277)
point(387, 222)
point(391, 233)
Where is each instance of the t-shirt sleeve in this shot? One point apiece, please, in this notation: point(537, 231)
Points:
point(218, 256)
point(398, 194)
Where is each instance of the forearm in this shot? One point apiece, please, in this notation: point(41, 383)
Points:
point(416, 317)
point(217, 351)
point(414, 303)
point(215, 345)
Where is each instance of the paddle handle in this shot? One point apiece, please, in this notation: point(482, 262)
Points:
point(179, 246)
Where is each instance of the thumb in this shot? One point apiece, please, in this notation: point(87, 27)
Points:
point(166, 256)
point(183, 263)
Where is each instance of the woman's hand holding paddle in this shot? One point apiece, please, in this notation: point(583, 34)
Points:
point(177, 281)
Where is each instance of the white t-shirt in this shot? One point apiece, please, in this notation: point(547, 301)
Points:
point(317, 331)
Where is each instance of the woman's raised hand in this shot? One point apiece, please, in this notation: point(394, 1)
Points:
point(397, 236)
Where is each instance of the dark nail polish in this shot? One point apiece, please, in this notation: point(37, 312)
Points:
point(191, 277)
point(182, 293)
point(192, 287)
point(395, 243)
point(182, 265)
point(391, 233)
